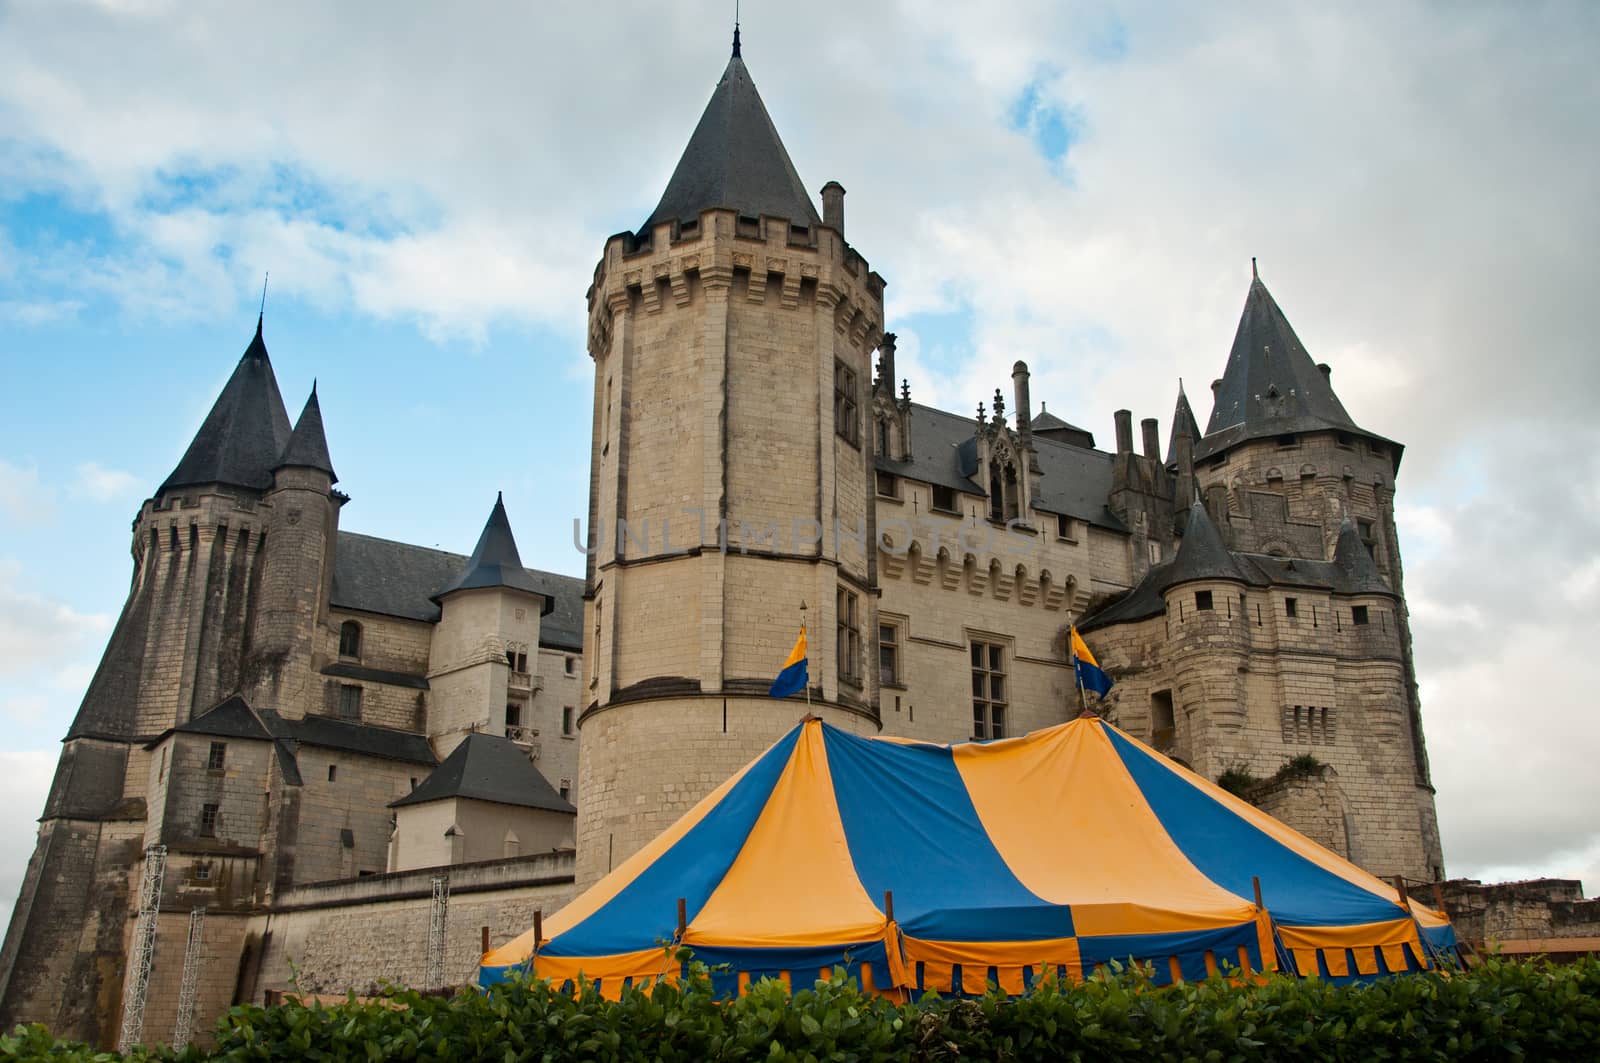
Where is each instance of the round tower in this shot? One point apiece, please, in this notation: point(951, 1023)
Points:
point(731, 470)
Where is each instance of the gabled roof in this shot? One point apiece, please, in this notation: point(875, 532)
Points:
point(308, 445)
point(372, 575)
point(487, 767)
point(1201, 554)
point(736, 160)
point(231, 718)
point(1271, 386)
point(1048, 426)
point(241, 438)
point(494, 561)
point(1355, 564)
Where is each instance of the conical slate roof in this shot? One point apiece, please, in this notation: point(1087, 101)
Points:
point(1183, 425)
point(241, 438)
point(1201, 554)
point(308, 444)
point(1355, 563)
point(736, 160)
point(495, 561)
point(488, 767)
point(1271, 386)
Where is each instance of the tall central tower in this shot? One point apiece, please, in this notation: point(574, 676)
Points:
point(730, 478)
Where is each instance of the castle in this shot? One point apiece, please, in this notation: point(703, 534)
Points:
point(363, 756)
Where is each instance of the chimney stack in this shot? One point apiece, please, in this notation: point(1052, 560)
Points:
point(1019, 387)
point(886, 376)
point(1327, 371)
point(1152, 439)
point(833, 206)
point(1124, 419)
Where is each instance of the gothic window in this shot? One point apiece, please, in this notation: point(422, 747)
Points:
point(217, 759)
point(889, 655)
point(845, 419)
point(349, 639)
point(849, 630)
point(209, 815)
point(513, 717)
point(997, 498)
point(883, 437)
point(349, 702)
point(1013, 494)
point(988, 690)
point(944, 498)
point(202, 871)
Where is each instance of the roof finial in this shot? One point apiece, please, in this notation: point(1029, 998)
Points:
point(736, 29)
point(1253, 274)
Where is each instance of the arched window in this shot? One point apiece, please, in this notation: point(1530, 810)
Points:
point(349, 639)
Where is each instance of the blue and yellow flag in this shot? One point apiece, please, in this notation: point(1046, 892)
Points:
point(793, 678)
point(1090, 677)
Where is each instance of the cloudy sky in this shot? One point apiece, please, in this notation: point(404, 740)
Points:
point(1078, 185)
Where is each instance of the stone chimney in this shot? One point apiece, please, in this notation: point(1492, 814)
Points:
point(886, 375)
point(1019, 386)
point(833, 206)
point(1152, 439)
point(1124, 419)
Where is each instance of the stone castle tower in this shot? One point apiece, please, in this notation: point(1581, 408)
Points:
point(730, 476)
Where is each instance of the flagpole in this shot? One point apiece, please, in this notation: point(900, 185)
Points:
point(808, 654)
point(1077, 676)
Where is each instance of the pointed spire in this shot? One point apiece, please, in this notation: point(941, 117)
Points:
point(1184, 427)
point(1271, 385)
point(1360, 571)
point(239, 441)
point(308, 444)
point(736, 160)
point(494, 561)
point(736, 37)
point(1201, 554)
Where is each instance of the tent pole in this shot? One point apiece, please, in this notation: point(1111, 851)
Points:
point(683, 919)
point(538, 929)
point(888, 904)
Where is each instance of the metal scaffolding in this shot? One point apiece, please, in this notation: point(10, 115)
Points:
point(438, 919)
point(193, 957)
point(143, 951)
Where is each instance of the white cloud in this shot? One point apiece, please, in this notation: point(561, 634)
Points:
point(101, 484)
point(24, 782)
point(38, 634)
point(23, 498)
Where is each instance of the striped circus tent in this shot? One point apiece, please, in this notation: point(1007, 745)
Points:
point(929, 867)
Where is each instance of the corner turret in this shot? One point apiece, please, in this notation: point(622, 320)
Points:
point(241, 438)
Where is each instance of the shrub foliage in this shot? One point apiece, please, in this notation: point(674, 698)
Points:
point(1502, 1010)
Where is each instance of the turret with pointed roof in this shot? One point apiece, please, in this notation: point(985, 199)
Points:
point(239, 442)
point(1185, 430)
point(735, 159)
point(308, 444)
point(1271, 387)
point(494, 561)
point(1201, 554)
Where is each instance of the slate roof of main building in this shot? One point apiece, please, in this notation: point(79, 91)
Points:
point(1074, 481)
point(373, 575)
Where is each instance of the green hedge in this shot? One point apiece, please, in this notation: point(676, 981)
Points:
point(1502, 1010)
